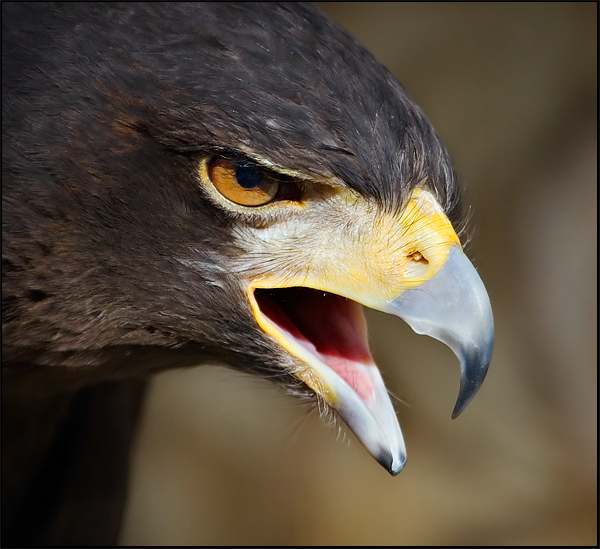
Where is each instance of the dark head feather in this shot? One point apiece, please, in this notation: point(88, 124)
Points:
point(107, 109)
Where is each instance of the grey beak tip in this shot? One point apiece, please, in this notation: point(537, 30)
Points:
point(395, 472)
point(393, 465)
point(464, 398)
point(461, 403)
point(457, 411)
point(395, 469)
point(474, 369)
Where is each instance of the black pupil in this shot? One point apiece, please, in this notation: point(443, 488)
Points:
point(248, 176)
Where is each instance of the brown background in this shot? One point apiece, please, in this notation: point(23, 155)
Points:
point(225, 459)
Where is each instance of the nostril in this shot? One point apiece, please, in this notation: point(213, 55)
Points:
point(418, 257)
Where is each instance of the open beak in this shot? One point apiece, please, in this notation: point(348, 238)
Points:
point(414, 268)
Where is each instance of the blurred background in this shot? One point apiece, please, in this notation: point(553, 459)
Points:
point(226, 459)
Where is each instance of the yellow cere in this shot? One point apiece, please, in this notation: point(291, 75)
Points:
point(376, 256)
point(428, 238)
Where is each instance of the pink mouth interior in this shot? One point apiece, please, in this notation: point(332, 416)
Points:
point(331, 327)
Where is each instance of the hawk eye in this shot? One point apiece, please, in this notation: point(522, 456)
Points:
point(242, 182)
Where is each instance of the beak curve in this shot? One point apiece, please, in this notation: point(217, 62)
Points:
point(453, 307)
point(408, 263)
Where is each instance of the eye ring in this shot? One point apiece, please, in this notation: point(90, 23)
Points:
point(242, 182)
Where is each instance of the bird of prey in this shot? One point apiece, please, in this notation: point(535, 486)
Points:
point(197, 182)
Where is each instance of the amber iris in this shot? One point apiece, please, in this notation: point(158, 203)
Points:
point(242, 183)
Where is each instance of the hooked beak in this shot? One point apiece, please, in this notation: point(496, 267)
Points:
point(454, 308)
point(411, 266)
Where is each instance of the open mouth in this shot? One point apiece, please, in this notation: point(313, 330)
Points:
point(329, 327)
point(328, 333)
